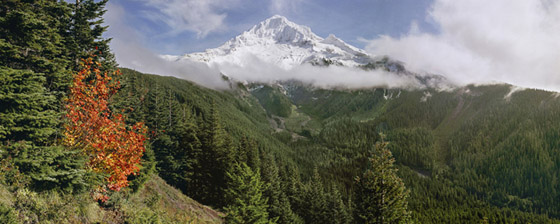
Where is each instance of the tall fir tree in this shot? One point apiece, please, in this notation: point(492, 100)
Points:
point(30, 39)
point(314, 201)
point(279, 207)
point(28, 133)
point(247, 204)
point(34, 81)
point(216, 159)
point(156, 109)
point(84, 34)
point(178, 154)
point(380, 195)
point(338, 211)
point(248, 152)
point(27, 111)
point(189, 150)
point(293, 187)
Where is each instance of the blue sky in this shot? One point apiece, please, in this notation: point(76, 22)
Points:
point(184, 26)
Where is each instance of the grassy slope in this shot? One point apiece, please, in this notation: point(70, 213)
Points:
point(169, 205)
point(156, 202)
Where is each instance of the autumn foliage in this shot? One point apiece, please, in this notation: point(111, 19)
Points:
point(113, 148)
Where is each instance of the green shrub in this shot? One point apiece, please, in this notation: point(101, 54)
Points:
point(7, 214)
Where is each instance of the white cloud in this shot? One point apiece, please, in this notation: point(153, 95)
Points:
point(130, 53)
point(134, 56)
point(199, 16)
point(256, 70)
point(483, 41)
point(284, 7)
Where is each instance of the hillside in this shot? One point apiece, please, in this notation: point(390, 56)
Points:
point(486, 143)
point(460, 160)
point(159, 202)
point(155, 202)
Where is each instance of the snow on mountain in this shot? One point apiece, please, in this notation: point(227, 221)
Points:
point(281, 42)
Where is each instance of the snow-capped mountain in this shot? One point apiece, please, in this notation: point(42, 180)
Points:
point(281, 42)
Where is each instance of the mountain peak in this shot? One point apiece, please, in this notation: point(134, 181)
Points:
point(282, 30)
point(278, 18)
point(282, 42)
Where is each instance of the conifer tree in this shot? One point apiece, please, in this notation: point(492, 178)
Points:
point(131, 98)
point(27, 112)
point(216, 159)
point(294, 191)
point(315, 201)
point(30, 40)
point(338, 212)
point(248, 152)
point(156, 109)
point(178, 159)
point(28, 130)
point(247, 204)
point(30, 43)
point(381, 196)
point(278, 204)
point(84, 34)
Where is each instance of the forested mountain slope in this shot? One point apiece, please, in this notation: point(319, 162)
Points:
point(473, 153)
point(487, 143)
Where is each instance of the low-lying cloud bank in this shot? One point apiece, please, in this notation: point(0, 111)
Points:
point(480, 41)
point(256, 70)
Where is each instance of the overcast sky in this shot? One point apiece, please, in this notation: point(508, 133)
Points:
point(475, 41)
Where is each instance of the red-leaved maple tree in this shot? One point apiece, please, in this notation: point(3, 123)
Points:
point(113, 148)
